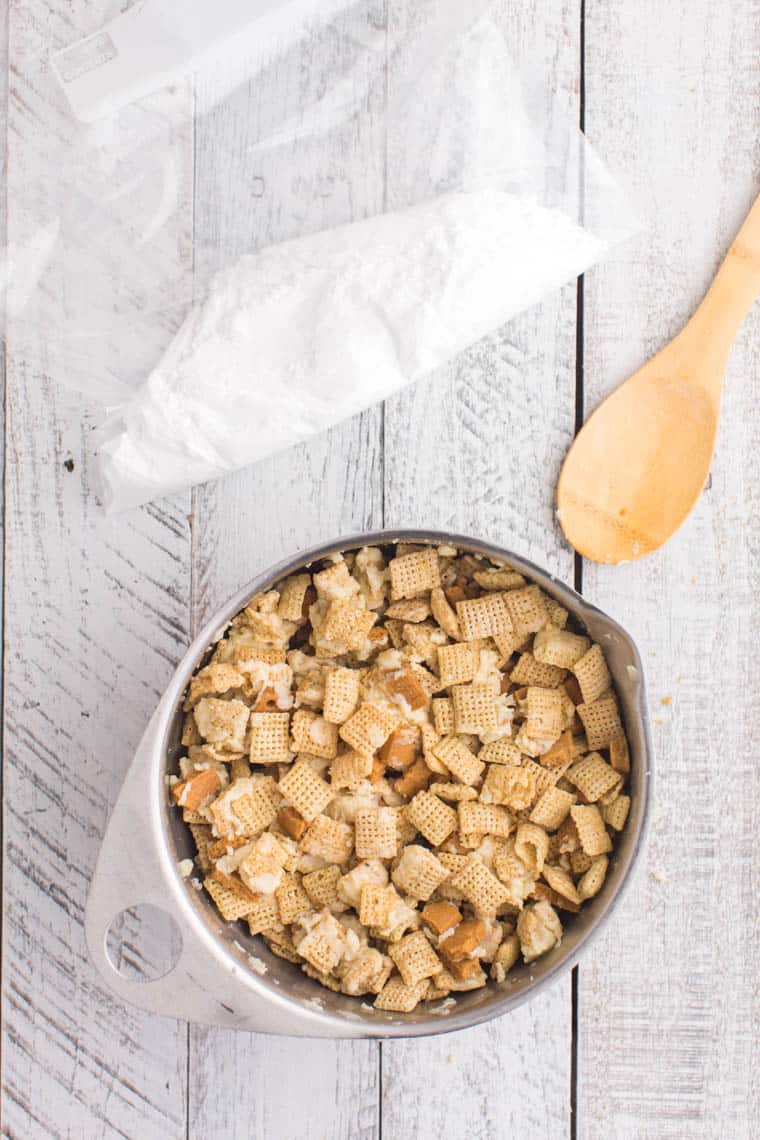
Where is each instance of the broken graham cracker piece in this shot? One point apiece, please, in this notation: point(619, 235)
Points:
point(397, 997)
point(405, 685)
point(592, 674)
point(453, 793)
point(409, 609)
point(292, 822)
point(562, 752)
point(197, 789)
point(591, 830)
point(341, 694)
point(402, 747)
point(432, 817)
point(440, 917)
point(270, 738)
point(368, 729)
point(415, 958)
point(620, 758)
point(458, 760)
point(414, 574)
point(462, 941)
point(304, 790)
point(414, 780)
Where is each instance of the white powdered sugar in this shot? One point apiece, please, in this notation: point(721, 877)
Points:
point(304, 334)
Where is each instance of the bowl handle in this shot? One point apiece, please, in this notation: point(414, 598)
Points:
point(205, 985)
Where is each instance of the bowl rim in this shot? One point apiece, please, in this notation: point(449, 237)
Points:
point(331, 1023)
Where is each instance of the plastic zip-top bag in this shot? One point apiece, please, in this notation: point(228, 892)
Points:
point(487, 202)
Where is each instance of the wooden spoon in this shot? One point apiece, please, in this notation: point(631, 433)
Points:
point(639, 464)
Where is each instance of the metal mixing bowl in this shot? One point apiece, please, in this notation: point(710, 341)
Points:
point(225, 977)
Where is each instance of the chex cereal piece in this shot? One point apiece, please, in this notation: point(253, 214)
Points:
point(196, 789)
point(616, 813)
point(592, 674)
point(430, 740)
point(558, 615)
point(443, 715)
point(190, 734)
point(314, 735)
point(580, 861)
point(592, 776)
point(552, 808)
point(444, 614)
point(283, 949)
point(561, 882)
point(458, 945)
point(545, 713)
point(501, 751)
point(202, 838)
point(507, 784)
point(292, 899)
point(440, 917)
point(349, 770)
point(592, 881)
point(509, 640)
point(532, 846)
point(499, 578)
point(431, 817)
point(307, 792)
point(414, 574)
point(324, 944)
point(270, 738)
point(377, 903)
point(545, 777)
point(256, 809)
point(264, 917)
point(405, 684)
point(331, 839)
point(601, 722)
point(505, 957)
point(233, 899)
point(376, 834)
point(351, 885)
point(452, 860)
point(484, 819)
point(458, 759)
point(239, 768)
point(409, 609)
point(292, 597)
point(222, 722)
point(366, 973)
point(368, 729)
point(396, 996)
point(347, 622)
point(262, 868)
point(528, 671)
point(562, 752)
point(335, 581)
point(322, 886)
point(486, 616)
point(457, 663)
point(329, 981)
point(429, 681)
point(225, 846)
point(475, 708)
point(453, 793)
point(480, 887)
point(591, 830)
point(527, 609)
point(620, 758)
point(341, 694)
point(214, 680)
point(552, 646)
point(418, 873)
point(415, 958)
point(539, 930)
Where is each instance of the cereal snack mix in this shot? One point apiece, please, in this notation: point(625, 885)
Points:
point(405, 769)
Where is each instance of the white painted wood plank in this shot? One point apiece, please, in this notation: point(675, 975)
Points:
point(669, 1003)
point(242, 1085)
point(97, 615)
point(475, 449)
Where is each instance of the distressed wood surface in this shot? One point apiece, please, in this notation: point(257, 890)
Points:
point(669, 1005)
point(98, 610)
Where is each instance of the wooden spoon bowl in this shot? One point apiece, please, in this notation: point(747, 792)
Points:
point(639, 464)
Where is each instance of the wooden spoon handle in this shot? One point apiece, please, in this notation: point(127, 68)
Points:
point(734, 290)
